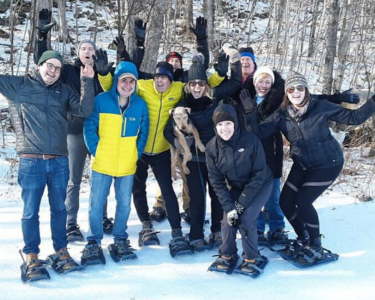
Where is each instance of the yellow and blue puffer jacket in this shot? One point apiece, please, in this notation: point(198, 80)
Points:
point(117, 139)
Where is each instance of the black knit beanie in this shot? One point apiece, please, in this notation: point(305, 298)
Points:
point(197, 71)
point(221, 116)
point(164, 68)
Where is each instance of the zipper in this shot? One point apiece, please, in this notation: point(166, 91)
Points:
point(157, 125)
point(123, 128)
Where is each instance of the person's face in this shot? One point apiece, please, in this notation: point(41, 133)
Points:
point(247, 65)
point(263, 85)
point(175, 62)
point(197, 88)
point(85, 54)
point(161, 83)
point(225, 129)
point(126, 86)
point(50, 70)
point(296, 94)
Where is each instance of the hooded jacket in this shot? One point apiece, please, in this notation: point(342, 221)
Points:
point(116, 139)
point(238, 163)
point(40, 113)
point(312, 145)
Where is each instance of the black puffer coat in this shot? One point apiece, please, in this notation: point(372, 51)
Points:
point(239, 162)
point(40, 113)
point(312, 145)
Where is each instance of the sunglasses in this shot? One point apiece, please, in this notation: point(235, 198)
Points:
point(195, 83)
point(299, 88)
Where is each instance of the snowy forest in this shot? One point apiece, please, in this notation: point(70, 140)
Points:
point(330, 42)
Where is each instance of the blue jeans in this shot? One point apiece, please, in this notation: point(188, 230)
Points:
point(33, 175)
point(276, 215)
point(100, 187)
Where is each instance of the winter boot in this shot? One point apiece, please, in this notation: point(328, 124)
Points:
point(199, 245)
point(147, 236)
point(107, 225)
point(92, 254)
point(62, 262)
point(295, 247)
point(215, 239)
point(178, 245)
point(73, 234)
point(262, 240)
point(121, 250)
point(158, 214)
point(225, 265)
point(279, 237)
point(253, 268)
point(33, 269)
point(311, 253)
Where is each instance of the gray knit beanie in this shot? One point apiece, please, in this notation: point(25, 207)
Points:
point(296, 79)
point(86, 41)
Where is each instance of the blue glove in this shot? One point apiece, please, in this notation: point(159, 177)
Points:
point(348, 97)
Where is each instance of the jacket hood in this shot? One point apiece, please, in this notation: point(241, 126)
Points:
point(227, 109)
point(123, 67)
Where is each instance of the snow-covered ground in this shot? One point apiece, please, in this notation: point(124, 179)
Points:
point(345, 222)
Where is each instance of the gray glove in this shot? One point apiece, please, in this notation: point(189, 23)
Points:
point(233, 53)
point(249, 104)
point(221, 67)
point(232, 218)
point(101, 62)
point(45, 23)
point(140, 32)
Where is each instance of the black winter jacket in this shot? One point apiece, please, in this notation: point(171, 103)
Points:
point(70, 75)
point(239, 163)
point(40, 113)
point(202, 110)
point(312, 145)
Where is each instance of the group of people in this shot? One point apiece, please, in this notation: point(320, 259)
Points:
point(120, 117)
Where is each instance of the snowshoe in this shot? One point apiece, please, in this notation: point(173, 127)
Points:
point(92, 254)
point(62, 262)
point(215, 239)
point(252, 269)
point(199, 245)
point(224, 265)
point(262, 240)
point(73, 234)
point(293, 248)
point(107, 225)
point(158, 214)
point(178, 246)
point(33, 269)
point(121, 251)
point(147, 236)
point(279, 237)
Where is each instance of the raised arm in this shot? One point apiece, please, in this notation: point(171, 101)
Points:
point(200, 31)
point(44, 26)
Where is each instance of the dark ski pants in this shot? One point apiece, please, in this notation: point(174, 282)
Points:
point(161, 167)
point(248, 227)
point(197, 182)
point(77, 158)
point(300, 191)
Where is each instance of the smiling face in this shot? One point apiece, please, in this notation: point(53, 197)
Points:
point(175, 62)
point(296, 95)
point(225, 129)
point(263, 84)
point(85, 54)
point(197, 88)
point(161, 83)
point(50, 70)
point(247, 66)
point(126, 87)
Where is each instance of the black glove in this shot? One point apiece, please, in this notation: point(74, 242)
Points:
point(239, 207)
point(200, 29)
point(122, 54)
point(140, 32)
point(45, 23)
point(216, 50)
point(249, 104)
point(348, 97)
point(101, 62)
point(221, 67)
point(232, 218)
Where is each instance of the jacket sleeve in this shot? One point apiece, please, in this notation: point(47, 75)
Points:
point(268, 127)
point(9, 86)
point(202, 47)
point(335, 98)
point(40, 47)
point(259, 174)
point(217, 180)
point(83, 107)
point(106, 81)
point(229, 87)
point(91, 130)
point(346, 116)
point(143, 133)
point(137, 57)
point(215, 80)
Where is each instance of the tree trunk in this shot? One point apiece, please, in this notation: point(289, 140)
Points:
point(331, 41)
point(63, 24)
point(188, 15)
point(210, 13)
